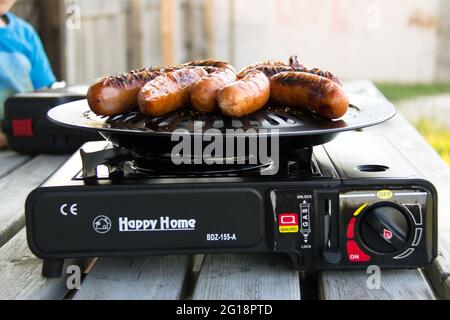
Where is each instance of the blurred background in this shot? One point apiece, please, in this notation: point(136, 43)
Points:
point(403, 45)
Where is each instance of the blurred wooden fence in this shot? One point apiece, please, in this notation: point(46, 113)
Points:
point(27, 10)
point(95, 41)
point(99, 37)
point(403, 41)
point(118, 35)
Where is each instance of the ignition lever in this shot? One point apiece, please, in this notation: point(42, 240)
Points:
point(331, 252)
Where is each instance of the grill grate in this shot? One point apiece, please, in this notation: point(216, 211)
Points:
point(137, 131)
point(269, 118)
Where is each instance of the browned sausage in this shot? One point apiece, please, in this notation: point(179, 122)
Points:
point(293, 61)
point(168, 92)
point(209, 64)
point(204, 93)
point(118, 94)
point(269, 70)
point(245, 95)
point(268, 63)
point(326, 74)
point(309, 91)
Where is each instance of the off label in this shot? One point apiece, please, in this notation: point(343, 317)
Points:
point(385, 194)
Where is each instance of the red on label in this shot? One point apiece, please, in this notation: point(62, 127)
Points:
point(355, 254)
point(288, 219)
point(351, 228)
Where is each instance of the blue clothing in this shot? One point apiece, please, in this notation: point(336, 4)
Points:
point(24, 66)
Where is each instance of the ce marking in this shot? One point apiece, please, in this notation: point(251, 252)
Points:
point(73, 209)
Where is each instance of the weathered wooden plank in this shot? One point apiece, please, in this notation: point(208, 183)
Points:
point(167, 41)
point(394, 285)
point(247, 276)
point(20, 273)
point(151, 34)
point(26, 9)
point(50, 29)
point(208, 12)
point(142, 278)
point(15, 188)
point(134, 34)
point(438, 274)
point(446, 289)
point(189, 29)
point(194, 34)
point(102, 8)
point(10, 160)
point(222, 30)
point(83, 61)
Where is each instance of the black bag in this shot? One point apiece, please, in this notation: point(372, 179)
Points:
point(28, 129)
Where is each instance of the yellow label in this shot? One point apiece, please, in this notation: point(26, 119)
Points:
point(361, 208)
point(385, 194)
point(288, 229)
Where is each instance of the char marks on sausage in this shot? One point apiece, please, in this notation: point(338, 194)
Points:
point(204, 94)
point(309, 91)
point(168, 92)
point(118, 94)
point(246, 95)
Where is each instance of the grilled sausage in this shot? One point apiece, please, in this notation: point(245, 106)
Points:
point(209, 64)
point(309, 91)
point(168, 92)
point(204, 93)
point(269, 70)
point(293, 61)
point(268, 63)
point(326, 74)
point(245, 95)
point(118, 94)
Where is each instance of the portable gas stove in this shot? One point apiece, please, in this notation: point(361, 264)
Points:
point(337, 203)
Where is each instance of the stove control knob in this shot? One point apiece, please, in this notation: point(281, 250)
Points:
point(384, 229)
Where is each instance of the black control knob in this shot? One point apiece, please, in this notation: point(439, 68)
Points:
point(384, 229)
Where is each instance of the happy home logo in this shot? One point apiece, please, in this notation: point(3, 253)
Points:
point(102, 224)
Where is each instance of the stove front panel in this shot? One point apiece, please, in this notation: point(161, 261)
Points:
point(387, 223)
point(133, 221)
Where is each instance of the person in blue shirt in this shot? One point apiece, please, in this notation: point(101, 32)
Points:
point(24, 65)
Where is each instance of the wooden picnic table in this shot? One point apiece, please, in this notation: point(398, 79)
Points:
point(229, 276)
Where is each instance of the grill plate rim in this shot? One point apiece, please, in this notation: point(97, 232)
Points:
point(370, 111)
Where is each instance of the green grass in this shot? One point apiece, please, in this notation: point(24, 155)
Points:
point(395, 92)
point(434, 132)
point(437, 135)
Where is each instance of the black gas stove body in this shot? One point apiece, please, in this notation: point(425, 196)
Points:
point(361, 203)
